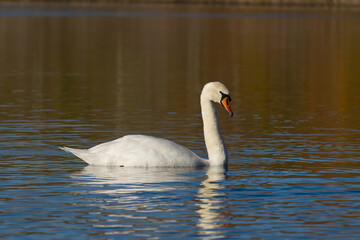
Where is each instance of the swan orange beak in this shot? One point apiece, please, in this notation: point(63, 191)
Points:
point(225, 102)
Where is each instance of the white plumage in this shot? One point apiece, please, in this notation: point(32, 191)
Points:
point(148, 151)
point(139, 151)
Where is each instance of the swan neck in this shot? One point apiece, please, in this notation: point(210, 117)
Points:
point(213, 140)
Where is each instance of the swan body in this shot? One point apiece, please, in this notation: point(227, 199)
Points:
point(148, 151)
point(139, 151)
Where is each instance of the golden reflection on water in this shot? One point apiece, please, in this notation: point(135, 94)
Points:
point(133, 74)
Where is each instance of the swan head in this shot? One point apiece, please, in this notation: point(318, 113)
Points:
point(217, 92)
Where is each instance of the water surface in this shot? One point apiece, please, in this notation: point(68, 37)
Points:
point(80, 76)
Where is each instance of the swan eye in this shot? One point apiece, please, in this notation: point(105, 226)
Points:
point(223, 95)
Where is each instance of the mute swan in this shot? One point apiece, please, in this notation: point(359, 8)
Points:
point(147, 151)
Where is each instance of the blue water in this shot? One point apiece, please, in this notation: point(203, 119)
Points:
point(45, 193)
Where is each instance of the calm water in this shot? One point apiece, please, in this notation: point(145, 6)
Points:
point(78, 76)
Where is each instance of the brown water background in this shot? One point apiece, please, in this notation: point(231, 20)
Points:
point(79, 76)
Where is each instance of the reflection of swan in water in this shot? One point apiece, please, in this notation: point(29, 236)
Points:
point(130, 180)
point(118, 175)
point(129, 188)
point(211, 203)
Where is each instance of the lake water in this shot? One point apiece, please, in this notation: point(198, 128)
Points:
point(80, 76)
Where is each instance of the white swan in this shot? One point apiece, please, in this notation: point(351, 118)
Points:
point(147, 151)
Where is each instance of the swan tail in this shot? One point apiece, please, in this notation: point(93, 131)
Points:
point(83, 154)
